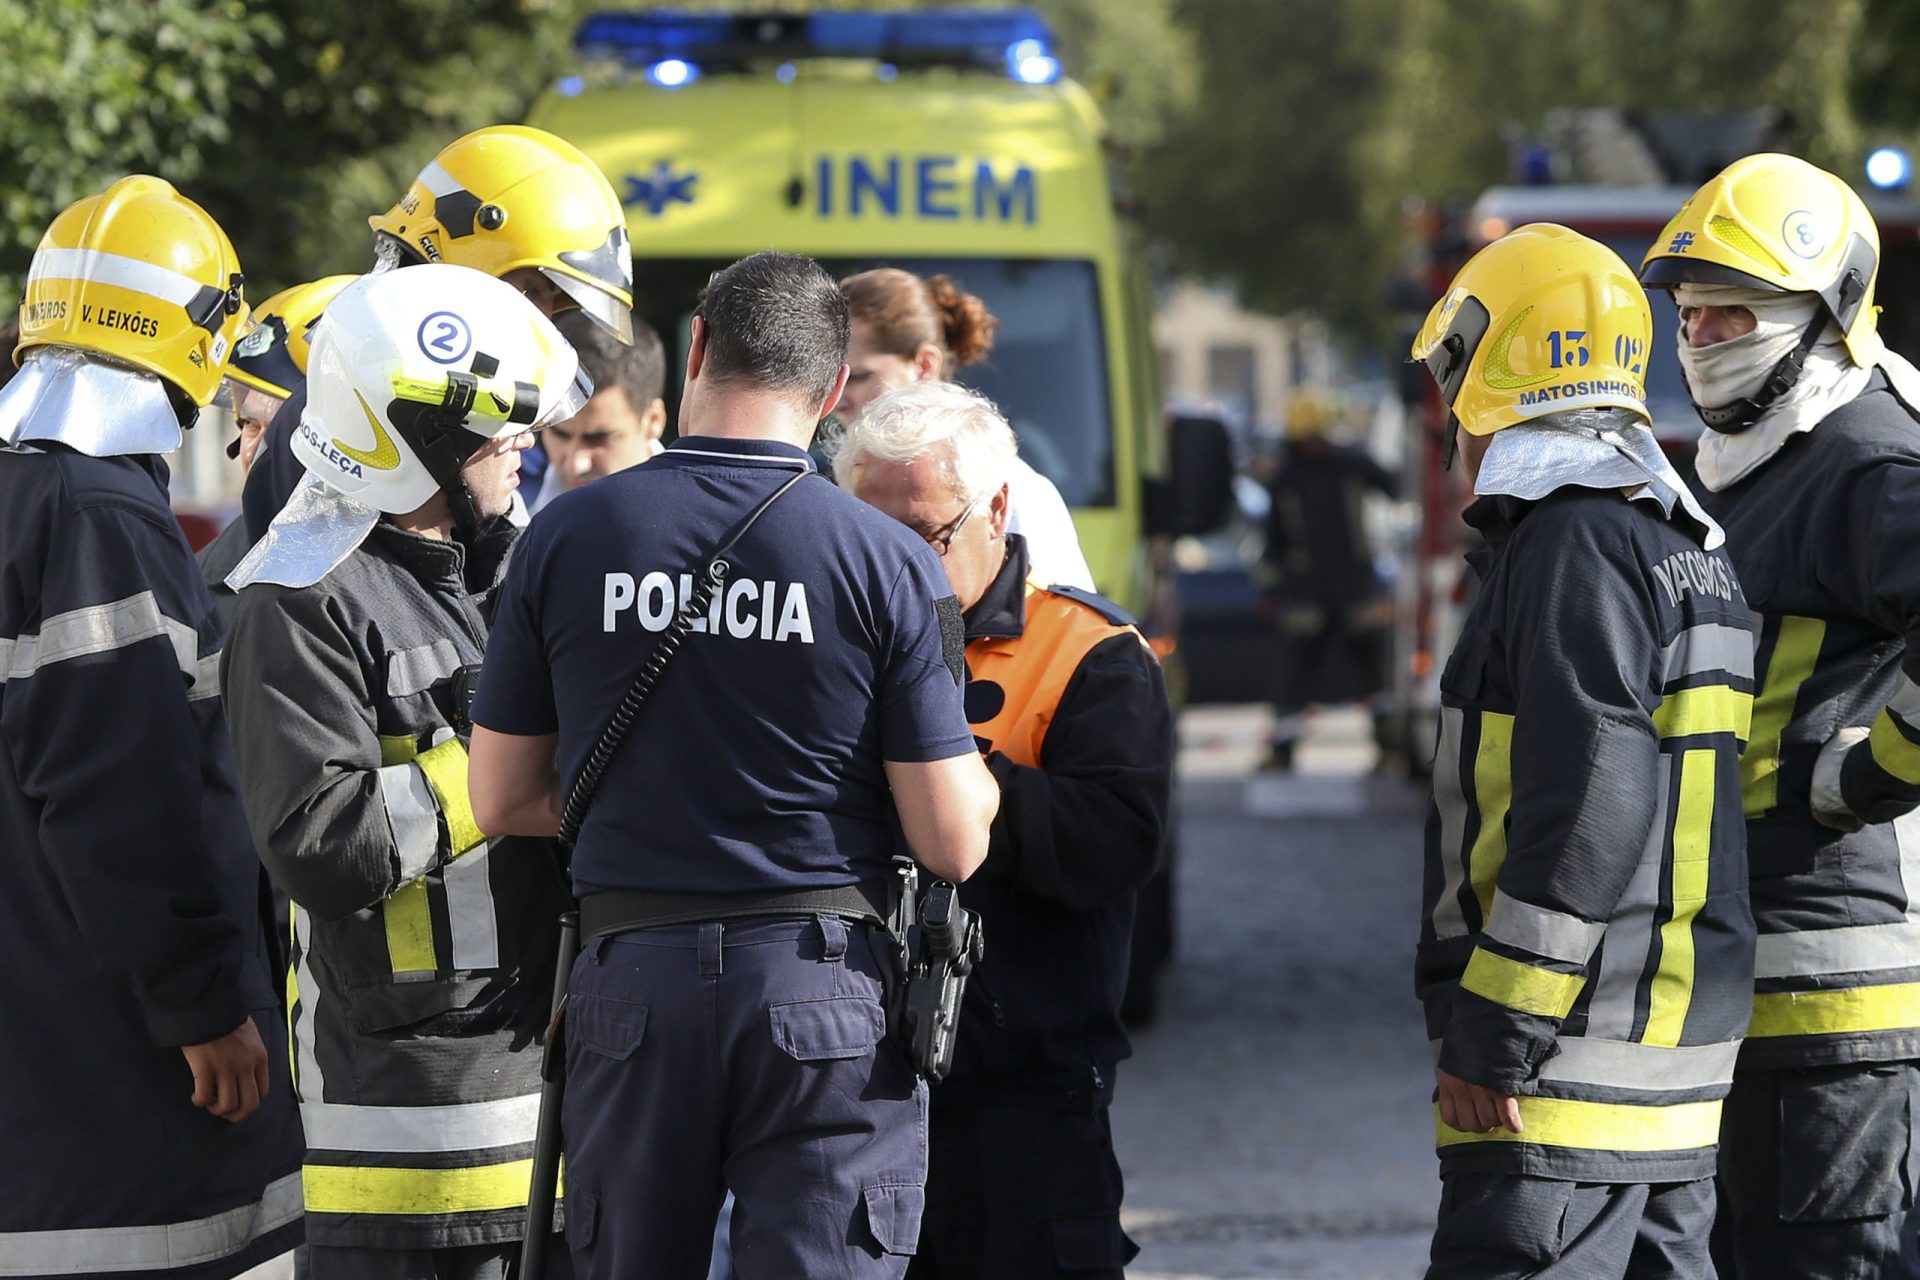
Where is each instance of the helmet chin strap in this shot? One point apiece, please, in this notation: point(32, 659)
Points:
point(444, 445)
point(1732, 419)
point(446, 464)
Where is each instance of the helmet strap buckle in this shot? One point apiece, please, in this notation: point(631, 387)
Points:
point(1732, 419)
point(1450, 441)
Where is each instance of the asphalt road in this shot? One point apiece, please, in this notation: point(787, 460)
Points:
point(1274, 1123)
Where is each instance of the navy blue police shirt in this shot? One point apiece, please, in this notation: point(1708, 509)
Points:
point(757, 765)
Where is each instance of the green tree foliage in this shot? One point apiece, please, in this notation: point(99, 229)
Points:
point(93, 91)
point(1320, 121)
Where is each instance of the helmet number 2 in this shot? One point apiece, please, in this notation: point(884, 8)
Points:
point(1627, 353)
point(444, 337)
point(1568, 348)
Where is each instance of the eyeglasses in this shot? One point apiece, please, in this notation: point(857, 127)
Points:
point(942, 538)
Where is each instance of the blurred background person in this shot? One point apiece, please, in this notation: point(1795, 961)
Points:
point(1328, 605)
point(623, 421)
point(909, 328)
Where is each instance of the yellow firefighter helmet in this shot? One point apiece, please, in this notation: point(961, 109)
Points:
point(1540, 321)
point(272, 355)
point(142, 275)
point(511, 196)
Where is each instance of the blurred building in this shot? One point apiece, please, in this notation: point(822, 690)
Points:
point(1214, 352)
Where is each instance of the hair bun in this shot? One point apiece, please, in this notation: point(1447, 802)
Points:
point(967, 324)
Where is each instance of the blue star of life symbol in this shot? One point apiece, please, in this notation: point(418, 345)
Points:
point(1681, 242)
point(660, 188)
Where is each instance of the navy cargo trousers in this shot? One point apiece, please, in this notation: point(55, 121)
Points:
point(752, 1056)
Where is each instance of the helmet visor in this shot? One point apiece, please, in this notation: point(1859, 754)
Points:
point(571, 400)
point(607, 311)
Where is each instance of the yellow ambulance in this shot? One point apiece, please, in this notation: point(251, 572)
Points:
point(938, 141)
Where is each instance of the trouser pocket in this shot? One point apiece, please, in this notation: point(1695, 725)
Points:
point(1844, 1139)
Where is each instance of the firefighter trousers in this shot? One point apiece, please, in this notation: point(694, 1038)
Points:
point(1496, 1226)
point(1817, 1171)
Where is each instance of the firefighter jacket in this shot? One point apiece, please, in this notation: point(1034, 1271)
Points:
point(1825, 536)
point(130, 919)
point(1071, 708)
point(422, 953)
point(220, 558)
point(1586, 942)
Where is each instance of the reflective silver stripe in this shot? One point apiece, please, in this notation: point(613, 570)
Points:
point(1624, 1064)
point(1553, 934)
point(438, 180)
point(1855, 949)
point(1711, 647)
point(412, 670)
point(204, 682)
point(101, 628)
point(162, 1247)
point(413, 817)
point(1629, 936)
point(1906, 835)
point(1448, 797)
point(1906, 701)
point(306, 1023)
point(113, 269)
point(476, 936)
point(465, 1126)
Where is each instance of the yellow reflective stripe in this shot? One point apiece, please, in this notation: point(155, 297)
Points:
point(446, 770)
point(293, 1002)
point(409, 921)
point(398, 748)
point(1893, 1007)
point(1520, 986)
point(425, 1192)
point(1492, 795)
point(1794, 654)
point(1711, 708)
point(1601, 1126)
point(1891, 750)
point(1672, 990)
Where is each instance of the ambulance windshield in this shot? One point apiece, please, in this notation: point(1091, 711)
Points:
point(1047, 370)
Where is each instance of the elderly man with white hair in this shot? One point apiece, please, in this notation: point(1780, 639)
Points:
point(1070, 708)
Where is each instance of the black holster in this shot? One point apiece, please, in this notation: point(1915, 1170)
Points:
point(936, 942)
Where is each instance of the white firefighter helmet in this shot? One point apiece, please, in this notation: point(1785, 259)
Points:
point(409, 375)
point(413, 371)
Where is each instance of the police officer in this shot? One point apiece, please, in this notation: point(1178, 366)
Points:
point(815, 702)
point(1070, 708)
point(419, 946)
point(269, 361)
point(510, 200)
point(1812, 462)
point(143, 1087)
point(1585, 948)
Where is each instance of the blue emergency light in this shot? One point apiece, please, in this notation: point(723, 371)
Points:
point(674, 48)
point(1889, 168)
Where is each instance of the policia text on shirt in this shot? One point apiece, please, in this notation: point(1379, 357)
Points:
point(748, 1054)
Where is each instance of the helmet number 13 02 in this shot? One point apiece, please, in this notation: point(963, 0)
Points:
point(1568, 348)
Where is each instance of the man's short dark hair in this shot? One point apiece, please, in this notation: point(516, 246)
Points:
point(777, 322)
point(639, 370)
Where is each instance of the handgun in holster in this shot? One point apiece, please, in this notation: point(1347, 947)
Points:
point(938, 942)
